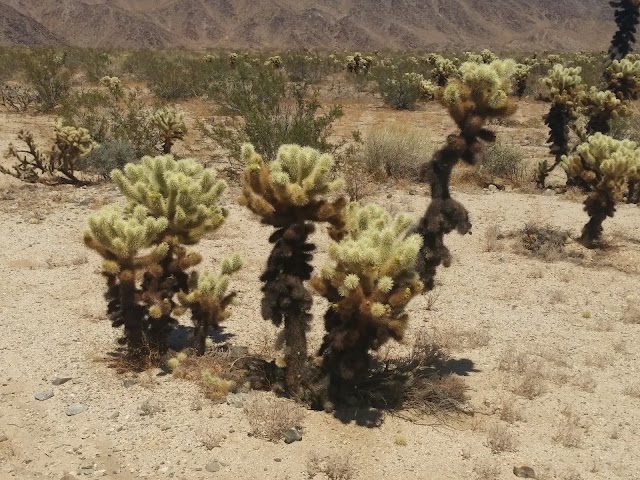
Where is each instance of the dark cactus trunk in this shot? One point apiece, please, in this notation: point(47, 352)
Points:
point(599, 205)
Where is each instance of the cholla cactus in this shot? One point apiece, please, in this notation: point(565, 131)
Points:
point(564, 88)
point(520, 78)
point(605, 164)
point(127, 243)
point(627, 16)
point(427, 89)
point(171, 126)
point(600, 107)
point(291, 194)
point(210, 58)
point(358, 64)
point(443, 69)
point(275, 62)
point(233, 60)
point(208, 299)
point(404, 90)
point(481, 93)
point(70, 145)
point(113, 85)
point(623, 78)
point(370, 280)
point(170, 204)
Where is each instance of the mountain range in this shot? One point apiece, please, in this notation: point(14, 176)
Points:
point(329, 24)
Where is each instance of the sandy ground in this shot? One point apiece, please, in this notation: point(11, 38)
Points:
point(554, 381)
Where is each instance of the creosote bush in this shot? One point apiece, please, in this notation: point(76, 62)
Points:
point(505, 161)
point(170, 206)
point(291, 194)
point(48, 73)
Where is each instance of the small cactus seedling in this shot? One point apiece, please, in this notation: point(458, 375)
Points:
point(208, 299)
point(627, 17)
point(60, 164)
point(291, 194)
point(605, 164)
point(481, 93)
point(170, 124)
point(370, 280)
point(564, 88)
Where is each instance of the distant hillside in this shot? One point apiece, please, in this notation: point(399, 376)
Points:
point(332, 24)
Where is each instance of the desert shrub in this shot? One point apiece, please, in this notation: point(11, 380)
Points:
point(261, 108)
point(177, 76)
point(47, 72)
point(270, 417)
point(395, 152)
point(108, 156)
point(17, 97)
point(626, 128)
point(149, 271)
point(504, 160)
point(543, 241)
point(403, 91)
point(304, 67)
point(59, 165)
point(94, 63)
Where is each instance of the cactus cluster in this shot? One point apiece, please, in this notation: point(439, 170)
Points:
point(371, 278)
point(442, 69)
point(623, 78)
point(606, 165)
point(170, 125)
point(60, 164)
point(113, 85)
point(170, 205)
point(481, 92)
point(358, 64)
point(291, 194)
point(600, 107)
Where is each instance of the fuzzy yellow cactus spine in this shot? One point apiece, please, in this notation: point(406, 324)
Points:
point(170, 124)
point(209, 298)
point(481, 92)
point(605, 164)
point(370, 280)
point(291, 194)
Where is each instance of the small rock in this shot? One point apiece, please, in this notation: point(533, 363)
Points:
point(292, 435)
point(524, 472)
point(68, 476)
point(3, 437)
point(114, 416)
point(76, 408)
point(44, 395)
point(130, 382)
point(413, 191)
point(277, 459)
point(60, 381)
point(549, 192)
point(85, 202)
point(213, 467)
point(100, 473)
point(236, 399)
point(492, 188)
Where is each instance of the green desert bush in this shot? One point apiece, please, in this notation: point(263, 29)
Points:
point(403, 91)
point(108, 156)
point(259, 106)
point(505, 160)
point(395, 152)
point(50, 76)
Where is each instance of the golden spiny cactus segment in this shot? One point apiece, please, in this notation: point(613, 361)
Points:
point(183, 192)
point(603, 159)
point(210, 291)
point(120, 238)
point(373, 274)
point(623, 78)
point(171, 124)
point(485, 87)
point(292, 188)
point(562, 84)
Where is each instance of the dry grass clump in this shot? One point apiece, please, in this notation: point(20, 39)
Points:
point(570, 431)
point(544, 242)
point(486, 471)
point(455, 339)
point(212, 372)
point(334, 466)
point(599, 360)
point(269, 417)
point(395, 152)
point(211, 439)
point(631, 313)
point(505, 161)
point(632, 390)
point(509, 411)
point(492, 237)
point(585, 382)
point(527, 373)
point(500, 439)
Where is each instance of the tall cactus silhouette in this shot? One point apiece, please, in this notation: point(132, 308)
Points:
point(291, 194)
point(627, 17)
point(481, 92)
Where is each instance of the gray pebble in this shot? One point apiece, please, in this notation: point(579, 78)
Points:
point(292, 435)
point(213, 467)
point(3, 437)
point(236, 399)
point(524, 472)
point(44, 395)
point(60, 381)
point(76, 408)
